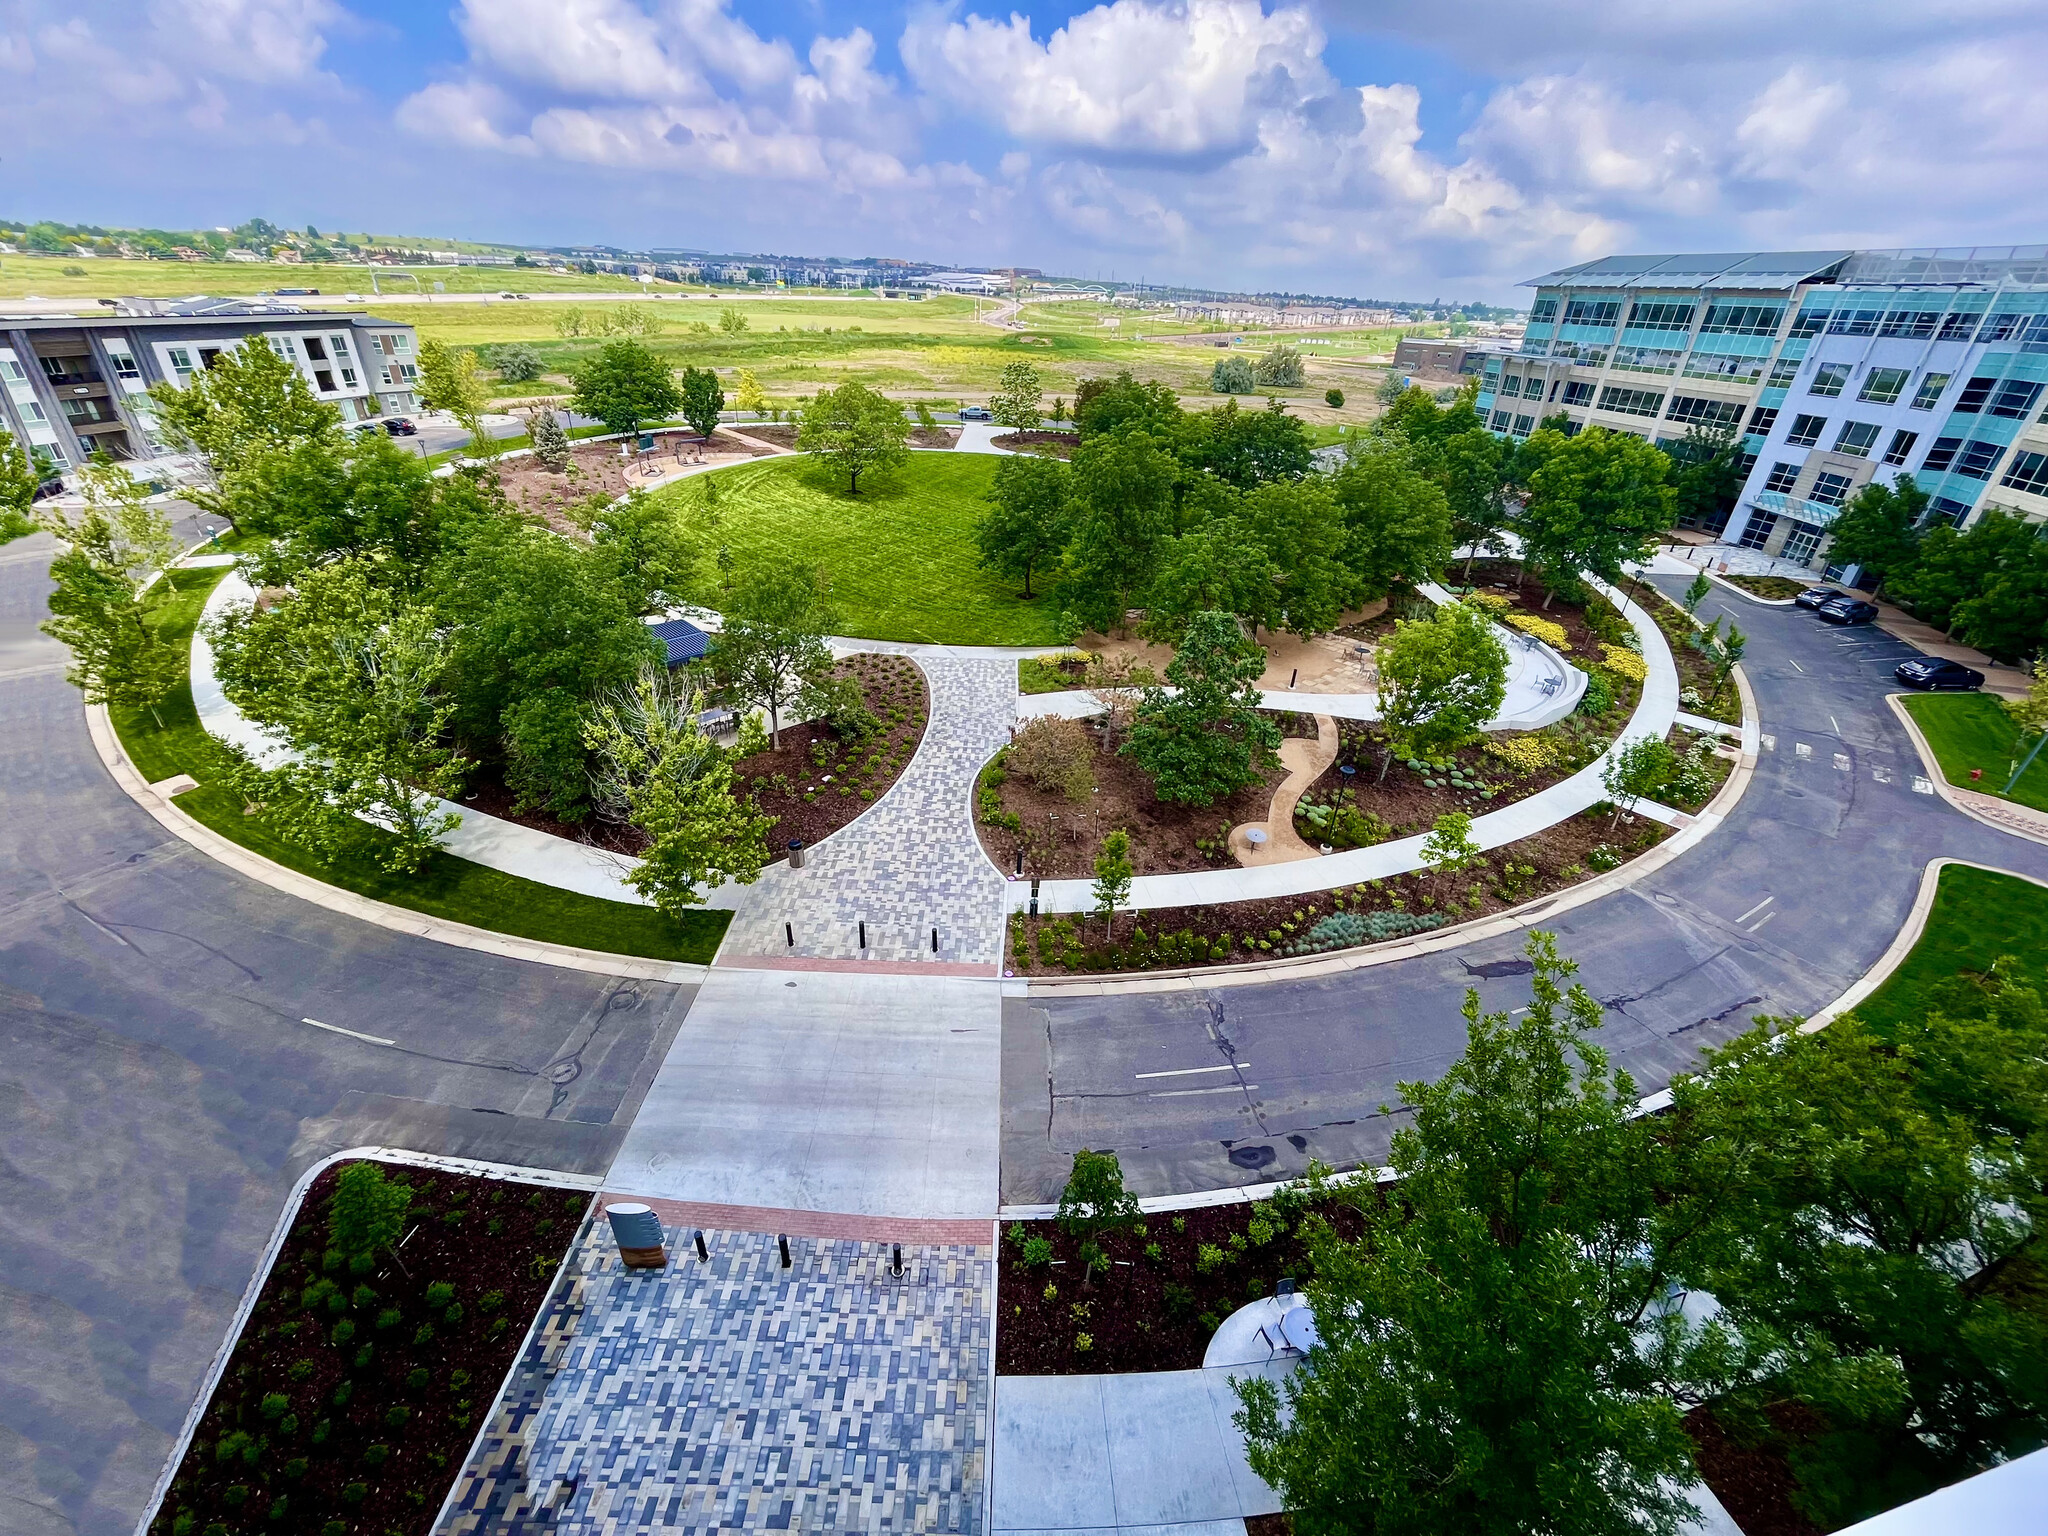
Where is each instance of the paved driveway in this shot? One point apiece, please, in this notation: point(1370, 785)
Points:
point(160, 1090)
point(1778, 912)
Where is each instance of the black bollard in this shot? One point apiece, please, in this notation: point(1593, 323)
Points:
point(782, 1242)
point(703, 1253)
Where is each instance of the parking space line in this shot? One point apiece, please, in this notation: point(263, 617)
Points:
point(353, 1034)
point(1752, 912)
point(1753, 927)
point(1189, 1093)
point(1193, 1071)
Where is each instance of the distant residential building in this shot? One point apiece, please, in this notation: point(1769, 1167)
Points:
point(236, 253)
point(1836, 367)
point(74, 385)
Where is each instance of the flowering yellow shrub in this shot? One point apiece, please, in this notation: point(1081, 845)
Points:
point(1623, 662)
point(1550, 634)
point(1524, 755)
point(1495, 603)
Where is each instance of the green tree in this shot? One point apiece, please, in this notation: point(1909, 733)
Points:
point(331, 496)
point(1949, 567)
point(626, 386)
point(2007, 615)
point(653, 550)
point(1480, 1368)
point(1636, 769)
point(1123, 489)
point(1450, 845)
point(1695, 594)
point(1879, 529)
point(1441, 679)
point(658, 770)
point(1279, 367)
point(1123, 404)
point(703, 400)
point(1471, 468)
point(19, 477)
point(1334, 399)
point(1094, 1201)
point(1397, 520)
point(1222, 566)
point(1599, 499)
point(1206, 738)
point(366, 1213)
point(449, 380)
point(1303, 529)
point(347, 677)
point(1232, 375)
point(1247, 449)
point(1722, 652)
point(1018, 403)
point(853, 430)
point(514, 361)
point(1028, 520)
point(732, 321)
point(550, 442)
point(774, 639)
point(250, 401)
point(749, 398)
point(1706, 476)
point(96, 611)
point(1112, 878)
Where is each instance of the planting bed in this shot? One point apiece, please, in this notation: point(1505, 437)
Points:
point(1059, 445)
point(353, 1421)
point(790, 784)
point(1697, 688)
point(1149, 1311)
point(596, 469)
point(1776, 588)
point(1238, 932)
point(783, 435)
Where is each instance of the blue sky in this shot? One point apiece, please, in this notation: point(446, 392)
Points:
point(1400, 148)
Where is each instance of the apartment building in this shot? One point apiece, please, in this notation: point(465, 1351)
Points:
point(1835, 366)
point(76, 385)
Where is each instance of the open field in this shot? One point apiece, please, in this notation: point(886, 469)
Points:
point(1972, 730)
point(900, 554)
point(110, 277)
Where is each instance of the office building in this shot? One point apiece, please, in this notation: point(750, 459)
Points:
point(1836, 367)
point(1425, 361)
point(75, 385)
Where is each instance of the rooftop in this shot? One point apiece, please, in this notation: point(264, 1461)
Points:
point(1932, 266)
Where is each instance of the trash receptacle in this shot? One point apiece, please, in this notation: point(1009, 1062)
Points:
point(637, 1230)
point(796, 853)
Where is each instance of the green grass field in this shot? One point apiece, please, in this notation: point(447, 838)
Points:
point(445, 886)
point(1978, 917)
point(1972, 730)
point(901, 554)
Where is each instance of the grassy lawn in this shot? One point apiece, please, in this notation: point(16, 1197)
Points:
point(445, 887)
point(1972, 730)
point(1978, 916)
point(901, 554)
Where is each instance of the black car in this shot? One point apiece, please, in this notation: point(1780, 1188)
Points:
point(1932, 673)
point(53, 486)
point(398, 426)
point(1813, 597)
point(1847, 610)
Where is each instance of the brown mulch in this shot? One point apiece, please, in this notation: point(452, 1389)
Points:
point(487, 792)
point(596, 469)
point(1143, 1313)
point(1404, 799)
point(1281, 1524)
point(1753, 1482)
point(1237, 932)
point(779, 779)
point(435, 1371)
point(783, 435)
point(1059, 445)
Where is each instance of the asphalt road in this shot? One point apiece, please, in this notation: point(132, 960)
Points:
point(160, 1088)
point(1269, 1076)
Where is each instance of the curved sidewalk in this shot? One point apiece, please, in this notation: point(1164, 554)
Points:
point(1654, 715)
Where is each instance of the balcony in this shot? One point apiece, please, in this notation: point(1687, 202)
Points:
point(1817, 514)
point(70, 370)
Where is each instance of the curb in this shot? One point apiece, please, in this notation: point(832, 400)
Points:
point(1957, 798)
point(320, 894)
point(1761, 602)
point(261, 1277)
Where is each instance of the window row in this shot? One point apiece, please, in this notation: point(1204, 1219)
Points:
point(1976, 458)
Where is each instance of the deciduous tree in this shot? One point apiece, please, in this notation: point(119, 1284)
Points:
point(1441, 679)
point(249, 401)
point(703, 400)
point(1019, 403)
point(449, 380)
point(1029, 518)
point(774, 639)
point(1599, 499)
point(626, 386)
point(1397, 521)
point(1206, 739)
point(1879, 529)
point(1123, 485)
point(854, 430)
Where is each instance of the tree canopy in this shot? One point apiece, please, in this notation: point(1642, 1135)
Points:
point(1441, 678)
point(1205, 739)
point(1026, 526)
point(1599, 498)
point(626, 387)
point(854, 430)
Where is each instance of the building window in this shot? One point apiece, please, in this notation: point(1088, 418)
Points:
point(1631, 402)
point(1800, 544)
point(1941, 455)
point(1829, 379)
point(1543, 311)
point(1855, 322)
point(2029, 473)
point(181, 360)
point(1805, 431)
point(1708, 413)
point(315, 353)
point(1592, 312)
point(348, 378)
point(1728, 367)
point(1661, 316)
point(1511, 387)
point(1948, 510)
point(1811, 322)
point(1762, 419)
point(32, 410)
point(406, 372)
point(1929, 393)
point(338, 345)
point(2002, 327)
point(1578, 392)
point(401, 343)
point(1647, 359)
point(1902, 446)
point(12, 371)
point(323, 380)
point(1743, 319)
point(2015, 399)
point(1783, 476)
point(1883, 385)
point(1978, 459)
point(1524, 425)
point(1783, 372)
point(1975, 393)
point(122, 361)
point(1959, 327)
point(1500, 421)
point(1856, 438)
point(1829, 490)
point(1914, 324)
point(1758, 533)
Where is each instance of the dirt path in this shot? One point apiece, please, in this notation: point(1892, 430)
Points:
point(1305, 762)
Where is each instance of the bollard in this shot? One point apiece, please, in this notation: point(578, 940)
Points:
point(896, 1259)
point(796, 853)
point(637, 1230)
point(703, 1253)
point(789, 933)
point(935, 941)
point(1293, 677)
point(863, 933)
point(1034, 898)
point(782, 1242)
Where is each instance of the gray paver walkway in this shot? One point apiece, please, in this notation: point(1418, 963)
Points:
point(912, 862)
point(736, 1395)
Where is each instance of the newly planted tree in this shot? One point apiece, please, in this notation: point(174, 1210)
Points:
point(1206, 738)
point(774, 639)
point(1112, 878)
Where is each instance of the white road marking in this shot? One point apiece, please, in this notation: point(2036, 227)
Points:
point(1842, 761)
point(1192, 1071)
point(1922, 785)
point(353, 1034)
point(1881, 774)
point(1752, 912)
point(1765, 919)
point(1801, 749)
point(1836, 724)
point(1769, 741)
point(1795, 665)
point(1189, 1093)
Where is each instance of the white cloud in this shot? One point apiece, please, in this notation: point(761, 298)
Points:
point(263, 40)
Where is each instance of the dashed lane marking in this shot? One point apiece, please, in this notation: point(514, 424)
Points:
point(1922, 785)
point(353, 1034)
point(1194, 1071)
point(1880, 773)
point(1769, 741)
point(1189, 1093)
point(1753, 927)
point(1842, 761)
point(1801, 749)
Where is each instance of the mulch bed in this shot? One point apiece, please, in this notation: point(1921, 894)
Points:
point(1754, 1482)
point(1237, 932)
point(783, 435)
point(1059, 445)
point(374, 1429)
point(1410, 800)
point(780, 780)
point(487, 792)
point(597, 470)
point(1145, 1313)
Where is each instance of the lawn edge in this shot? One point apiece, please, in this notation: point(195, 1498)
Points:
point(1959, 798)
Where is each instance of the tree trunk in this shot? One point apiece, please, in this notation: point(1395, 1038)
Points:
point(1386, 762)
point(1547, 596)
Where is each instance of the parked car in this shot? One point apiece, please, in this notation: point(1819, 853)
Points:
point(975, 413)
point(398, 426)
point(1813, 597)
point(1933, 673)
point(1847, 610)
point(54, 486)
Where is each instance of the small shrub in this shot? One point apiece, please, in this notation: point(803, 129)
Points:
point(416, 1379)
point(355, 1493)
point(279, 1506)
point(301, 1370)
point(236, 1496)
point(275, 1405)
point(1179, 1298)
point(1055, 755)
point(390, 1317)
point(1037, 1253)
point(396, 1415)
point(343, 1332)
point(423, 1334)
point(1155, 1254)
point(1180, 1223)
point(1261, 1231)
point(376, 1455)
point(1209, 1258)
point(342, 1394)
point(1551, 634)
point(1083, 1343)
point(490, 1301)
